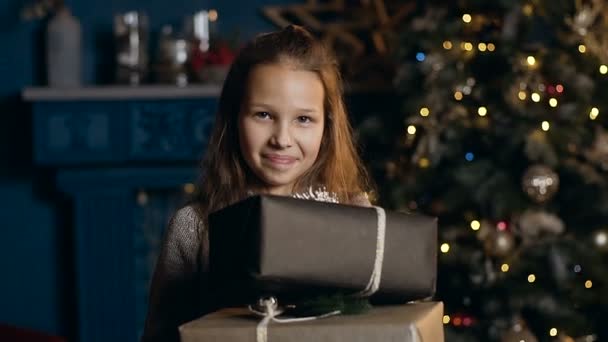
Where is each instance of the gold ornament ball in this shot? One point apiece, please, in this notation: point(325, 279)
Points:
point(540, 183)
point(499, 244)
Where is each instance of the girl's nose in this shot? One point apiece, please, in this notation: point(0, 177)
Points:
point(281, 137)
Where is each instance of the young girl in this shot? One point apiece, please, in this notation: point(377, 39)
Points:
point(281, 129)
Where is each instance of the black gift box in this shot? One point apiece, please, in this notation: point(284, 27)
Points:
point(294, 248)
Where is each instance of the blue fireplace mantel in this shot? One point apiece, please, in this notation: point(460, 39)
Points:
point(127, 157)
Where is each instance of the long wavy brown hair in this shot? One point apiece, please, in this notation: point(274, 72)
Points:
point(225, 176)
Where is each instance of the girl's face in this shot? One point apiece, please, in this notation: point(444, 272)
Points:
point(281, 124)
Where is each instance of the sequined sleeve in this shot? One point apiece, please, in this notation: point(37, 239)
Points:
point(178, 285)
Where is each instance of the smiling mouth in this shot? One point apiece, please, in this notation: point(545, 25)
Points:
point(279, 160)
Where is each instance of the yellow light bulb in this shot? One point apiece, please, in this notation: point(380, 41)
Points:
point(491, 47)
point(466, 18)
point(213, 15)
point(411, 129)
point(189, 188)
point(522, 95)
point(424, 111)
point(482, 111)
point(458, 95)
point(531, 60)
point(482, 46)
point(531, 278)
point(553, 102)
point(594, 113)
point(553, 332)
point(545, 126)
point(475, 225)
point(424, 163)
point(528, 9)
point(468, 46)
point(588, 284)
point(582, 48)
point(446, 319)
point(447, 45)
point(504, 268)
point(603, 69)
point(445, 248)
point(535, 97)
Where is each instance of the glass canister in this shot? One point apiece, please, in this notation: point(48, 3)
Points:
point(131, 39)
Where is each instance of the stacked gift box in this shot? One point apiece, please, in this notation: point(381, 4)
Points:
point(281, 251)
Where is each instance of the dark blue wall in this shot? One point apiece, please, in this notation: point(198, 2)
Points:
point(35, 238)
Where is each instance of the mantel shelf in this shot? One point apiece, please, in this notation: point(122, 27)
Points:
point(121, 92)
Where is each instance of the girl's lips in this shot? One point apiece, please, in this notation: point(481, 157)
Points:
point(280, 159)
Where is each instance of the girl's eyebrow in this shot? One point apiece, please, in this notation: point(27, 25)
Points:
point(301, 110)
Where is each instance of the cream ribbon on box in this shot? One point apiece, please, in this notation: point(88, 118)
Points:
point(270, 306)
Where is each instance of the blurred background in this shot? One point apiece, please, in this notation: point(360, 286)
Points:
point(489, 115)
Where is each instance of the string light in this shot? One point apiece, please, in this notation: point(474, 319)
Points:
point(601, 238)
point(466, 18)
point(577, 269)
point(553, 332)
point(468, 46)
point(603, 69)
point(457, 321)
point(420, 56)
point(594, 113)
point(458, 95)
point(504, 268)
point(475, 225)
point(535, 97)
point(522, 95)
point(502, 225)
point(559, 88)
point(469, 156)
point(447, 45)
point(528, 9)
point(482, 111)
point(582, 48)
point(424, 163)
point(446, 319)
point(545, 126)
point(531, 278)
point(553, 102)
point(445, 248)
point(588, 284)
point(531, 60)
point(491, 47)
point(424, 111)
point(411, 129)
point(482, 46)
point(213, 15)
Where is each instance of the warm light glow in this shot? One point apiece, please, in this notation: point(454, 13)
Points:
point(424, 111)
point(445, 248)
point(588, 284)
point(482, 46)
point(458, 95)
point(491, 47)
point(468, 46)
point(582, 48)
point(522, 95)
point(213, 15)
point(189, 188)
point(601, 238)
point(553, 332)
point(559, 88)
point(531, 278)
point(535, 97)
point(411, 129)
point(504, 268)
point(482, 111)
point(553, 102)
point(446, 319)
point(531, 60)
point(466, 18)
point(528, 9)
point(424, 163)
point(447, 45)
point(545, 126)
point(475, 225)
point(594, 113)
point(603, 69)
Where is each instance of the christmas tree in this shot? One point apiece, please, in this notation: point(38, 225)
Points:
point(501, 134)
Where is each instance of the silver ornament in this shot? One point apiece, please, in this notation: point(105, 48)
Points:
point(540, 183)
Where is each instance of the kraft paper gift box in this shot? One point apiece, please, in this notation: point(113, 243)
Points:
point(419, 322)
point(293, 248)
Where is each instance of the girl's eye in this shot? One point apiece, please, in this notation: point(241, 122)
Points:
point(304, 119)
point(262, 115)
